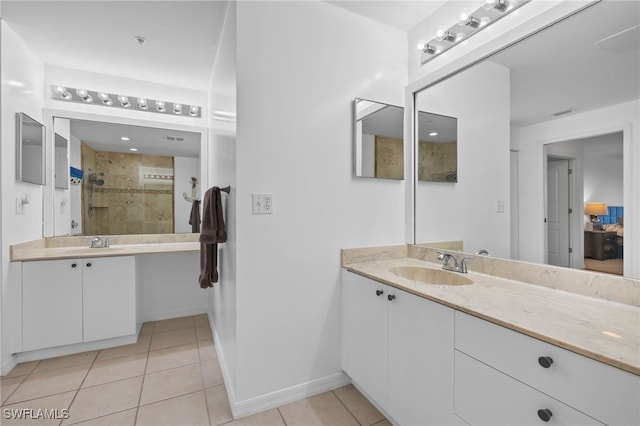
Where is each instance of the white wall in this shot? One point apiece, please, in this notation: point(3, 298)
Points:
point(183, 169)
point(466, 210)
point(529, 141)
point(300, 65)
point(22, 88)
point(222, 157)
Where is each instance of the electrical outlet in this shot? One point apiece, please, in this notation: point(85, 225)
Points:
point(500, 206)
point(262, 203)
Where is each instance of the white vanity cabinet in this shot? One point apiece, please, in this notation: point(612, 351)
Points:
point(398, 348)
point(493, 362)
point(77, 300)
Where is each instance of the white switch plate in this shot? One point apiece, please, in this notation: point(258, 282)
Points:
point(500, 206)
point(19, 206)
point(262, 203)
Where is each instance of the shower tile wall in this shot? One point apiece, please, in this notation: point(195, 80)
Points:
point(127, 203)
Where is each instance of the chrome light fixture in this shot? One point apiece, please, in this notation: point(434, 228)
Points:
point(124, 101)
point(468, 25)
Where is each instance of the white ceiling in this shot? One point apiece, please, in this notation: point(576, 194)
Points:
point(99, 36)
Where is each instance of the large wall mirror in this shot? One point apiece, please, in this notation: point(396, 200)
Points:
point(128, 179)
point(61, 153)
point(30, 150)
point(378, 140)
point(545, 127)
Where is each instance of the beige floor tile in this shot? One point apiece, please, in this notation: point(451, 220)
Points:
point(8, 385)
point(23, 369)
point(266, 418)
point(142, 346)
point(203, 332)
point(123, 418)
point(173, 357)
point(173, 324)
point(201, 320)
point(56, 406)
point(38, 385)
point(171, 383)
point(323, 409)
point(358, 405)
point(207, 350)
point(211, 373)
point(65, 361)
point(384, 422)
point(218, 404)
point(190, 409)
point(147, 328)
point(115, 369)
point(105, 399)
point(173, 338)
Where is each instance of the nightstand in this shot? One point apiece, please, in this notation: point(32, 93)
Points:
point(600, 245)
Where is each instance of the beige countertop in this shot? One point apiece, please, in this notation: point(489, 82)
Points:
point(77, 247)
point(600, 329)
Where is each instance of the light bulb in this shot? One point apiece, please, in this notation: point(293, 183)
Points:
point(160, 106)
point(60, 90)
point(103, 96)
point(193, 110)
point(142, 103)
point(431, 50)
point(82, 93)
point(177, 108)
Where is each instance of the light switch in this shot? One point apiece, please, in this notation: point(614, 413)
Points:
point(500, 206)
point(262, 203)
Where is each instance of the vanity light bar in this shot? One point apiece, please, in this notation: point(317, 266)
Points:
point(123, 101)
point(468, 24)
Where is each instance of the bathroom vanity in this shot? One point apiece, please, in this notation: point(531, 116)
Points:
point(75, 298)
point(479, 348)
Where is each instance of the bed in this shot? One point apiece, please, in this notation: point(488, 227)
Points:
point(613, 221)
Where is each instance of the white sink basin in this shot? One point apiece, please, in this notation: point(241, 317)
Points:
point(430, 276)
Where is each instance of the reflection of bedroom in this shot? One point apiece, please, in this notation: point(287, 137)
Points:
point(603, 182)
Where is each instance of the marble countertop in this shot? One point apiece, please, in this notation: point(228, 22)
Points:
point(77, 247)
point(600, 329)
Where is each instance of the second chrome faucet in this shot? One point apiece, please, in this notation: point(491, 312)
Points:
point(451, 262)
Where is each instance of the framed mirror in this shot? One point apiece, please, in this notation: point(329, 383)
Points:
point(567, 96)
point(30, 150)
point(61, 162)
point(378, 140)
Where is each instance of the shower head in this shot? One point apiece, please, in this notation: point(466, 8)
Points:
point(99, 182)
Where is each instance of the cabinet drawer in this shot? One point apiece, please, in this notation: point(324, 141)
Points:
point(599, 390)
point(485, 396)
point(609, 239)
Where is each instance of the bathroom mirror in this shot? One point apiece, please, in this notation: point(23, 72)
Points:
point(133, 178)
point(30, 140)
point(378, 140)
point(61, 153)
point(560, 94)
point(437, 147)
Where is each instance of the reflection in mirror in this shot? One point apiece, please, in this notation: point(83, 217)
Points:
point(133, 179)
point(30, 137)
point(61, 162)
point(378, 140)
point(565, 98)
point(437, 148)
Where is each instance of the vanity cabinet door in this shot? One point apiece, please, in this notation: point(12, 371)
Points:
point(109, 297)
point(364, 327)
point(51, 303)
point(420, 361)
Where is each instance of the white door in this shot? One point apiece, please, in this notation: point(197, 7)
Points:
point(558, 212)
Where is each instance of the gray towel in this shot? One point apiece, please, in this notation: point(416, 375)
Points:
point(212, 233)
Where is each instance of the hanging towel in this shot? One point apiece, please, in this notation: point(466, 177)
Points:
point(212, 233)
point(194, 217)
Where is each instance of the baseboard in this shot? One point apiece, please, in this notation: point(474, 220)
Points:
point(288, 395)
point(8, 365)
point(162, 315)
point(72, 349)
point(277, 398)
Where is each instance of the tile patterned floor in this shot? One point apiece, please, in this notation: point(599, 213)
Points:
point(171, 376)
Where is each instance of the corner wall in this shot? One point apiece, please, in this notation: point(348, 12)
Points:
point(22, 75)
point(300, 65)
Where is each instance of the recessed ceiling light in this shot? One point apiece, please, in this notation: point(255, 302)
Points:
point(133, 149)
point(125, 138)
point(433, 134)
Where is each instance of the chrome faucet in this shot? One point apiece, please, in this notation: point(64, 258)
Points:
point(451, 262)
point(98, 242)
